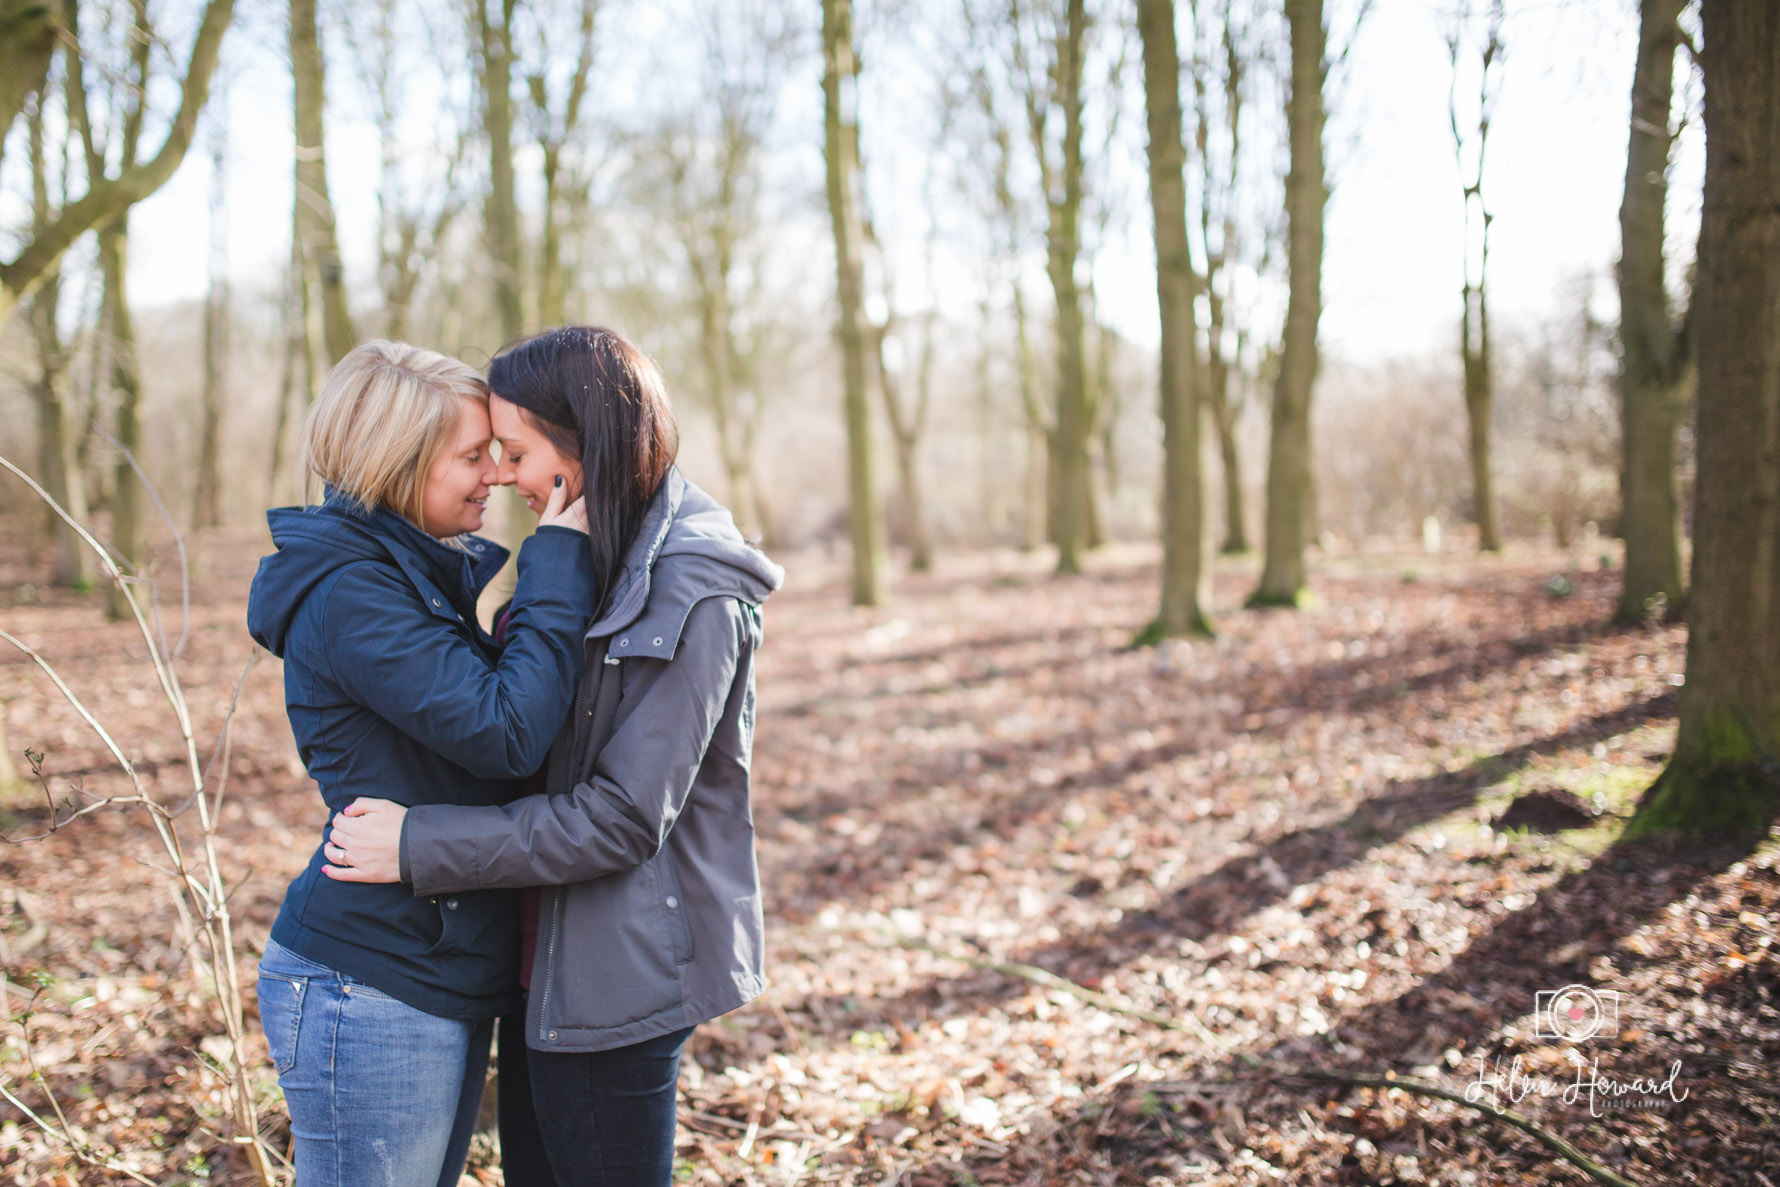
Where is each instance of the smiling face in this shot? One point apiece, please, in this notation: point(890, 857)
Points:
point(530, 461)
point(456, 494)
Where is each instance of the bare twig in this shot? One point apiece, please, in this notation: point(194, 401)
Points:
point(200, 891)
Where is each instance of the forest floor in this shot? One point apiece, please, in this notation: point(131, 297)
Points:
point(1279, 850)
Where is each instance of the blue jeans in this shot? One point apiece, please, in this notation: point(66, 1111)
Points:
point(588, 1118)
point(380, 1094)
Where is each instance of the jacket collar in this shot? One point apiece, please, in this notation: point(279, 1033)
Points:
point(460, 572)
point(632, 592)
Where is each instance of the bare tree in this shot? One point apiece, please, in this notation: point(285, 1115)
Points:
point(708, 160)
point(107, 195)
point(59, 461)
point(126, 111)
point(1006, 211)
point(207, 498)
point(418, 200)
point(1051, 86)
point(1654, 356)
point(1222, 70)
point(27, 45)
point(556, 124)
point(840, 90)
point(314, 214)
point(1289, 453)
point(1470, 147)
point(1720, 782)
point(494, 26)
point(1185, 571)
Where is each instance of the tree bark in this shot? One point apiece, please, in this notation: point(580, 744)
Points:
point(564, 196)
point(1653, 355)
point(840, 89)
point(906, 427)
point(1476, 359)
point(126, 382)
point(207, 499)
point(58, 460)
point(1723, 781)
point(1185, 569)
point(1288, 455)
point(109, 195)
point(1064, 243)
point(314, 210)
point(502, 212)
point(27, 43)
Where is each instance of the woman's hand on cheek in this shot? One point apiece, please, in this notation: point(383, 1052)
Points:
point(365, 842)
point(559, 512)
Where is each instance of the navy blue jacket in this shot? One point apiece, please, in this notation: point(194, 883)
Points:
point(394, 691)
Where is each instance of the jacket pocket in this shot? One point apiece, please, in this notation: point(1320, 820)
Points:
point(614, 961)
point(679, 928)
point(446, 909)
point(281, 1015)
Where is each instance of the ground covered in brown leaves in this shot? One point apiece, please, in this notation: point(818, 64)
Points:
point(1279, 850)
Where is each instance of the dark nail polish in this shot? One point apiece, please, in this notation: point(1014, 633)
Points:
point(559, 480)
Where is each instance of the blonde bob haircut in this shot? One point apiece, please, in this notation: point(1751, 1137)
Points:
point(386, 414)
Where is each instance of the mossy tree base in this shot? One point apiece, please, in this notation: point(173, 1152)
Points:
point(1266, 599)
point(1710, 801)
point(1156, 631)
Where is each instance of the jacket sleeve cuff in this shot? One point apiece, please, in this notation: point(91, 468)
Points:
point(402, 869)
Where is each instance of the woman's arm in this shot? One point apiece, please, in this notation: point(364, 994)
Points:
point(420, 672)
point(614, 821)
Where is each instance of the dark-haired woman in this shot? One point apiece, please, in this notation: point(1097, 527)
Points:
point(640, 833)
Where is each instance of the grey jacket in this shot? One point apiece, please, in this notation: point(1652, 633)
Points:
point(650, 918)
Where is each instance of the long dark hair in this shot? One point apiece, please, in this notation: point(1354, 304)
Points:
point(596, 397)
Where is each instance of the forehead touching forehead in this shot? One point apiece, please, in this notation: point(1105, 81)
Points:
point(473, 430)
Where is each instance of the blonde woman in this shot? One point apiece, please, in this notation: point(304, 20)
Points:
point(378, 1005)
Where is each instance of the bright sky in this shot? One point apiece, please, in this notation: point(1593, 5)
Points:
point(1394, 231)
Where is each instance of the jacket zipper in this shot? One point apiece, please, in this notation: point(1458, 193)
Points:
point(583, 714)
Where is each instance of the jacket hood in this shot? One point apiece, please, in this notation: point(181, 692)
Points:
point(687, 549)
point(315, 543)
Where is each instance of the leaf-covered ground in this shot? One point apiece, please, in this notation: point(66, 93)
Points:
point(1283, 844)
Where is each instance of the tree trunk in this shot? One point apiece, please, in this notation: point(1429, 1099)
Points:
point(1474, 347)
point(58, 462)
point(314, 211)
point(206, 500)
point(1038, 489)
point(502, 213)
point(563, 203)
point(1653, 352)
point(905, 437)
point(1723, 781)
point(126, 382)
point(107, 195)
point(840, 90)
point(1185, 572)
point(1074, 416)
point(1475, 357)
point(27, 43)
point(718, 348)
point(1223, 414)
point(1288, 454)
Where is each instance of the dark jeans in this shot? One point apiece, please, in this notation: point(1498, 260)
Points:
point(588, 1118)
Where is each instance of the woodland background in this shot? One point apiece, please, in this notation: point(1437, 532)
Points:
point(1186, 751)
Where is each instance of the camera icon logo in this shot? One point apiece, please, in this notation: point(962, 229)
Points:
point(1575, 1013)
